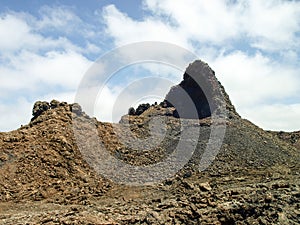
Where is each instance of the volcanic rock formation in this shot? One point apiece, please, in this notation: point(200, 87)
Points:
point(46, 179)
point(198, 96)
point(202, 87)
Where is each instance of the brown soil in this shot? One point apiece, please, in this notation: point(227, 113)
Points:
point(45, 180)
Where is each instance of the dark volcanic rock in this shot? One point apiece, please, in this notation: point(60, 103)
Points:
point(142, 108)
point(131, 111)
point(199, 95)
point(202, 87)
point(54, 104)
point(40, 107)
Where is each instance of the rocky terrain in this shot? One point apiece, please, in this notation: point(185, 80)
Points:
point(46, 178)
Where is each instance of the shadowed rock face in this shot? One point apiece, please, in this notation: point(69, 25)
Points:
point(199, 95)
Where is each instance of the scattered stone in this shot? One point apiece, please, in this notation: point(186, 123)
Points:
point(205, 186)
point(54, 104)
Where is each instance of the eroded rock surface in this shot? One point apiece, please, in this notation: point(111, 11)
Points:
point(46, 179)
point(198, 96)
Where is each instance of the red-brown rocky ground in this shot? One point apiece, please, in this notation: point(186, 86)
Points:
point(45, 178)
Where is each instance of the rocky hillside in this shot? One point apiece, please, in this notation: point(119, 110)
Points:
point(41, 161)
point(46, 178)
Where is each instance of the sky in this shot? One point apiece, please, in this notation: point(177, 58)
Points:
point(46, 48)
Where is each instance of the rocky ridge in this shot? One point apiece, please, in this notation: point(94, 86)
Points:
point(46, 180)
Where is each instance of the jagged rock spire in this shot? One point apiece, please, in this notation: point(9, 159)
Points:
point(205, 91)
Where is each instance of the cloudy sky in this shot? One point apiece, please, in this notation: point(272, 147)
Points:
point(46, 47)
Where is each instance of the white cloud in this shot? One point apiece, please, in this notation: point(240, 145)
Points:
point(57, 18)
point(18, 112)
point(211, 21)
point(252, 80)
point(274, 24)
point(64, 20)
point(31, 72)
point(67, 96)
point(114, 101)
point(252, 45)
point(125, 30)
point(271, 24)
point(279, 117)
point(56, 68)
point(34, 65)
point(104, 106)
point(15, 114)
point(15, 33)
point(261, 89)
point(33, 77)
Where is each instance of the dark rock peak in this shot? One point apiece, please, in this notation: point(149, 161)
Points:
point(199, 95)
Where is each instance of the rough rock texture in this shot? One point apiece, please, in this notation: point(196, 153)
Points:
point(141, 108)
point(203, 88)
point(40, 161)
point(293, 138)
point(40, 107)
point(44, 178)
point(198, 96)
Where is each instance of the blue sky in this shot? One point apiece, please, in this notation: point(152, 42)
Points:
point(46, 47)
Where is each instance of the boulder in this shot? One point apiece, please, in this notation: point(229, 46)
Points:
point(142, 108)
point(40, 107)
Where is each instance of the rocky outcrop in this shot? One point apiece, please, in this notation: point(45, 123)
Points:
point(198, 96)
point(292, 138)
point(142, 108)
point(40, 107)
point(206, 93)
